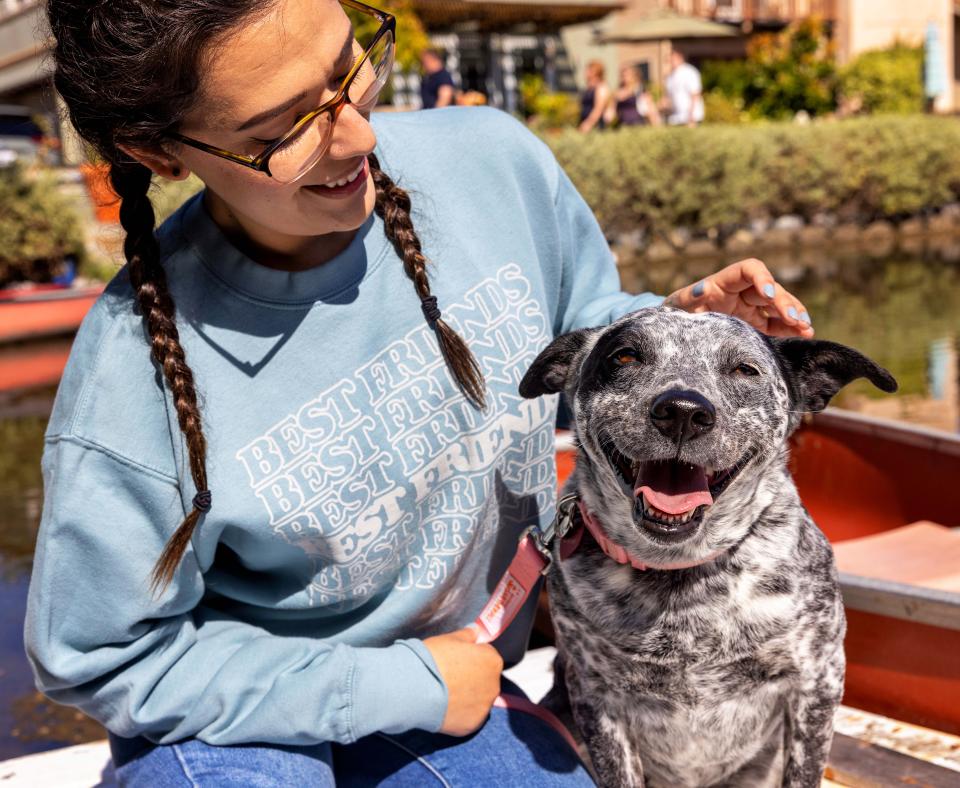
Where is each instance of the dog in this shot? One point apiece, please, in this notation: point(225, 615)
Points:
point(699, 624)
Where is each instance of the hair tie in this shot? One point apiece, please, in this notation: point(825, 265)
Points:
point(430, 309)
point(202, 501)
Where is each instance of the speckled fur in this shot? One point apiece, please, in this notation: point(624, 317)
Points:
point(727, 673)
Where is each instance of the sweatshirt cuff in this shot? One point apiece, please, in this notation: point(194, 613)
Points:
point(395, 689)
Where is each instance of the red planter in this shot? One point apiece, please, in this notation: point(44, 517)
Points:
point(104, 198)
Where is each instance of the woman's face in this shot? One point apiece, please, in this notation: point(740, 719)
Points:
point(255, 85)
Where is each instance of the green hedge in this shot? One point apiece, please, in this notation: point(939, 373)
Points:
point(723, 176)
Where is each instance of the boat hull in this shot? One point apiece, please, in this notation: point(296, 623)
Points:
point(36, 329)
point(44, 312)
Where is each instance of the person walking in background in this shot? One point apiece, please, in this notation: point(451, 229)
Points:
point(684, 92)
point(595, 99)
point(634, 104)
point(436, 88)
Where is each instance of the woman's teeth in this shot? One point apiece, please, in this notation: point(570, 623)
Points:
point(345, 180)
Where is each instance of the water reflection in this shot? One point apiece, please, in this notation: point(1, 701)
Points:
point(28, 721)
point(903, 312)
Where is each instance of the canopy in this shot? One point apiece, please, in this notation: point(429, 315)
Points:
point(665, 24)
point(437, 14)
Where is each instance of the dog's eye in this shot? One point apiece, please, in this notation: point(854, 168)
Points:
point(747, 370)
point(624, 356)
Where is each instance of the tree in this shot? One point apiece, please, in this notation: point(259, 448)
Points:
point(785, 73)
point(412, 38)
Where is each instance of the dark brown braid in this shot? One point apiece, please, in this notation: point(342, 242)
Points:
point(149, 281)
point(393, 206)
point(128, 71)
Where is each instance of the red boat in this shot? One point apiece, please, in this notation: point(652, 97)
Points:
point(49, 314)
point(882, 493)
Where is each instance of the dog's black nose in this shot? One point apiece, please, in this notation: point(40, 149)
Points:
point(682, 415)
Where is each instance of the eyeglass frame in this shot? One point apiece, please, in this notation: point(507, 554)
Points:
point(261, 162)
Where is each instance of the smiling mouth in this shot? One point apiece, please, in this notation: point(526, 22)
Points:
point(670, 496)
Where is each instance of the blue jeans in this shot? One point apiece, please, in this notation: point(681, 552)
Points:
point(512, 749)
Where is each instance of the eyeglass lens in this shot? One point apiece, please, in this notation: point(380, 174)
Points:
point(298, 155)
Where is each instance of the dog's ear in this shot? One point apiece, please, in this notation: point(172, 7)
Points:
point(819, 369)
point(550, 371)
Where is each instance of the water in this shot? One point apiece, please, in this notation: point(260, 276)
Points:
point(903, 312)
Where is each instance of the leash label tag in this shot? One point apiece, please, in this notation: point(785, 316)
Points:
point(506, 600)
point(511, 592)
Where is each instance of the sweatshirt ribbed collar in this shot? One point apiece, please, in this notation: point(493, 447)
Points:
point(259, 282)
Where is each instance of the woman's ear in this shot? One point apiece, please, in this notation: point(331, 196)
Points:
point(159, 162)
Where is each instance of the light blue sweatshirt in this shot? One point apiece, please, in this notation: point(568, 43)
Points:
point(360, 503)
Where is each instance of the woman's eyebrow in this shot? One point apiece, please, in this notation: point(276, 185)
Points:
point(345, 51)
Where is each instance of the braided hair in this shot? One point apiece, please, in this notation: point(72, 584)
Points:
point(127, 71)
point(393, 206)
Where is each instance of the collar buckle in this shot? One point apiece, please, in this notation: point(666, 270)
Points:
point(559, 527)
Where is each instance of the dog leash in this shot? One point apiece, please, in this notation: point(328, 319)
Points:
point(531, 562)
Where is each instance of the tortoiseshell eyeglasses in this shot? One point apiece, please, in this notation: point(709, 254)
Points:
point(293, 155)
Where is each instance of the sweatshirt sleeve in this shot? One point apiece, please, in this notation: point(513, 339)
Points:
point(590, 293)
point(171, 667)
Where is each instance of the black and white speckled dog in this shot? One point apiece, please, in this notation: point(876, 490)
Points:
point(726, 671)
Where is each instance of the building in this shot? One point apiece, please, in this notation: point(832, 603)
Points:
point(23, 77)
point(873, 24)
point(491, 46)
point(856, 26)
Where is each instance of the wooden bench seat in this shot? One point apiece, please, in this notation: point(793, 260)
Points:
point(921, 554)
point(910, 573)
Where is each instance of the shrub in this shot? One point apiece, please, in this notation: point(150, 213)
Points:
point(784, 73)
point(885, 80)
point(723, 176)
point(39, 229)
point(545, 109)
point(719, 108)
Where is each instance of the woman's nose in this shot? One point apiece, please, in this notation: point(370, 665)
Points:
point(352, 135)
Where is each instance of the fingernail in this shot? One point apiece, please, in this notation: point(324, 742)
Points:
point(805, 317)
point(792, 312)
point(769, 291)
point(698, 289)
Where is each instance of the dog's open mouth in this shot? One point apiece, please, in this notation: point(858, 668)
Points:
point(670, 496)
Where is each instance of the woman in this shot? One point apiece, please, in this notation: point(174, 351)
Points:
point(352, 472)
point(634, 104)
point(595, 100)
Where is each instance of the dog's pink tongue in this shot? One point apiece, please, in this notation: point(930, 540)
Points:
point(673, 487)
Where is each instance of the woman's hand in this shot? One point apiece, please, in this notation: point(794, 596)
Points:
point(747, 290)
point(471, 672)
